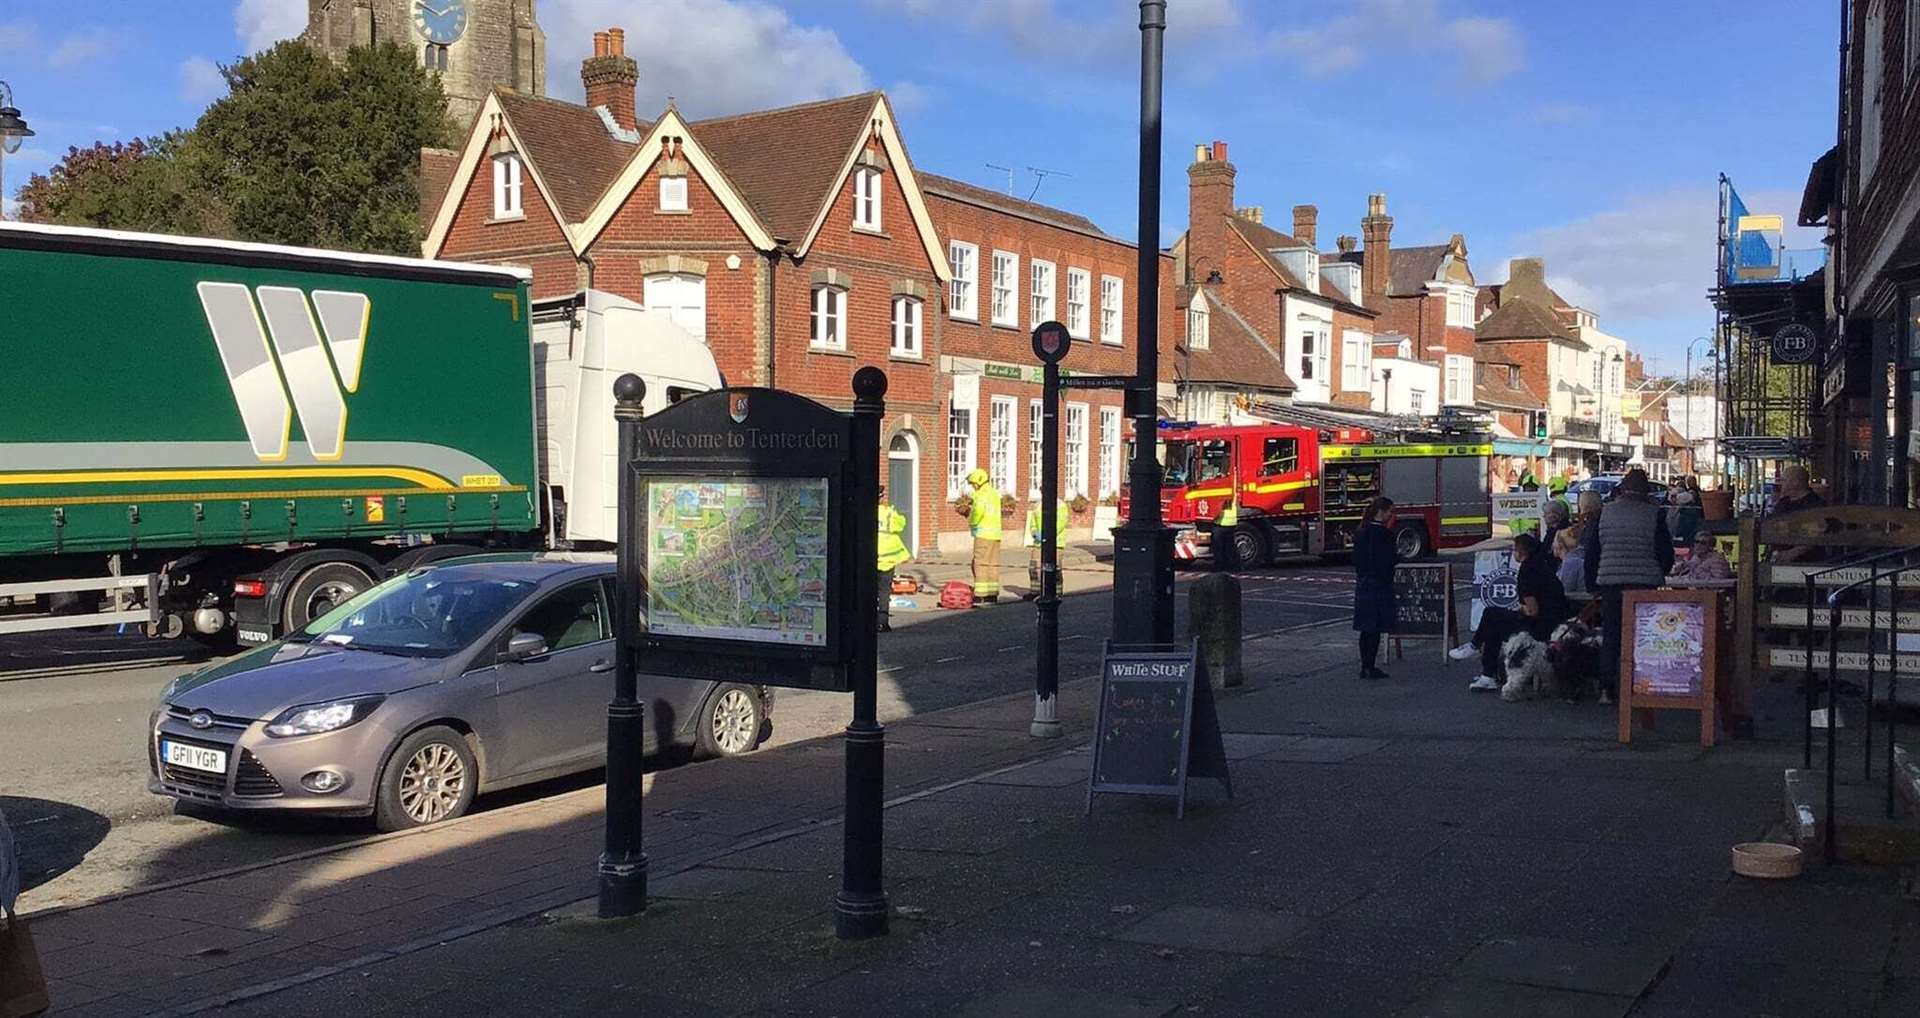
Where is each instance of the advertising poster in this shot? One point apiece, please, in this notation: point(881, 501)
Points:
point(1496, 582)
point(1669, 649)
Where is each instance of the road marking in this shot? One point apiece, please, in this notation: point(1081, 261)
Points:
point(1010, 648)
point(1322, 624)
point(1075, 636)
point(944, 660)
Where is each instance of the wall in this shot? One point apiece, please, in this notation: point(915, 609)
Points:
point(1396, 379)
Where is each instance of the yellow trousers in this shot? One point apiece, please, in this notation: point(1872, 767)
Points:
point(986, 568)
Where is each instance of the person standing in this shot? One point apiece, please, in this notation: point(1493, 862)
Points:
point(1061, 514)
point(1628, 548)
point(983, 519)
point(1373, 562)
point(893, 553)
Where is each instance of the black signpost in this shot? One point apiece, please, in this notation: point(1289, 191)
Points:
point(747, 549)
point(1157, 724)
point(1423, 604)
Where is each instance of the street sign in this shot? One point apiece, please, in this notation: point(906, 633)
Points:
point(1157, 724)
point(1794, 344)
point(1051, 343)
point(1520, 505)
point(1096, 381)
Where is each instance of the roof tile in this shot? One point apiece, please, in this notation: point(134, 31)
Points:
point(785, 162)
point(1235, 352)
point(569, 148)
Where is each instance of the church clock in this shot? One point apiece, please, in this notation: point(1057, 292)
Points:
point(441, 22)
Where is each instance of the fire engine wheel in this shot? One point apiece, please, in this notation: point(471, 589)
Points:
point(1249, 548)
point(1410, 542)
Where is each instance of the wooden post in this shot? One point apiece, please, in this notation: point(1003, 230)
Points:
point(1750, 652)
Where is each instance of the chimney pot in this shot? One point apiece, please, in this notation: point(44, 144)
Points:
point(1220, 151)
point(617, 42)
point(1376, 204)
point(610, 76)
point(599, 44)
point(1200, 153)
point(1306, 219)
point(1346, 243)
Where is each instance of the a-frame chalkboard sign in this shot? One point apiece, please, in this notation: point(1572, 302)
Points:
point(1158, 726)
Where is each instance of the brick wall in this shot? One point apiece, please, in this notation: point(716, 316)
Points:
point(535, 239)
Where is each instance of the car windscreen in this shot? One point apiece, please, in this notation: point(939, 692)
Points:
point(1178, 464)
point(426, 613)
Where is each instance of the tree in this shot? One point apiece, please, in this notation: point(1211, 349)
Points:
point(304, 151)
point(300, 151)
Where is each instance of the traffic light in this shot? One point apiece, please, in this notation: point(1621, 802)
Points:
point(1539, 424)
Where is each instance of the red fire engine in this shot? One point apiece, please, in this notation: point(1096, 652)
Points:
point(1304, 482)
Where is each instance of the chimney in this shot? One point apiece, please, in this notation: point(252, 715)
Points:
point(1253, 213)
point(1377, 230)
point(1346, 242)
point(1527, 280)
point(1305, 217)
point(1209, 203)
point(610, 76)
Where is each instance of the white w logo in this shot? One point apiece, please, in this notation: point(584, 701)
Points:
point(305, 366)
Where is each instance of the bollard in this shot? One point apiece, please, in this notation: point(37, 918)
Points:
point(1213, 619)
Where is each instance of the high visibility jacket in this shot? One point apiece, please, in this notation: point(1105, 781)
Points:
point(1061, 516)
point(892, 550)
point(1557, 484)
point(984, 518)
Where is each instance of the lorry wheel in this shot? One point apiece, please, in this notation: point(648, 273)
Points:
point(1249, 547)
point(1410, 542)
point(320, 590)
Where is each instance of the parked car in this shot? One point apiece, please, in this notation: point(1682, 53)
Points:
point(1758, 501)
point(1605, 483)
point(449, 680)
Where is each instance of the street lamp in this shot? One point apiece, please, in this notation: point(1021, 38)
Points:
point(12, 130)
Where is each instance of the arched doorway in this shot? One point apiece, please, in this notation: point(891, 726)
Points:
point(903, 483)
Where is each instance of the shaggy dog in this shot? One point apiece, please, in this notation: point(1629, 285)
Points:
point(1575, 651)
point(1529, 670)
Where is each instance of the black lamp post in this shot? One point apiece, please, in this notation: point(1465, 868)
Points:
point(1143, 546)
point(12, 130)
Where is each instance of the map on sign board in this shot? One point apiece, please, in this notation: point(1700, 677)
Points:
point(738, 560)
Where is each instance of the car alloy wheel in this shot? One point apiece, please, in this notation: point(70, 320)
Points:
point(735, 722)
point(432, 783)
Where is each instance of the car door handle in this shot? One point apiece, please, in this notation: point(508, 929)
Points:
point(600, 666)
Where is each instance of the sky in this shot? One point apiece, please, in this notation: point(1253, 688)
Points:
point(1587, 134)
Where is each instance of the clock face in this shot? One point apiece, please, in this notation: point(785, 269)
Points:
point(440, 21)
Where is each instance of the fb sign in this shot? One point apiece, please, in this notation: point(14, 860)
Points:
point(1496, 583)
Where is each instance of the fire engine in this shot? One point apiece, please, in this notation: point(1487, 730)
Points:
point(1305, 477)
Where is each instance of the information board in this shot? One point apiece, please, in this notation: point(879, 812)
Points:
point(1157, 724)
point(1668, 654)
point(1422, 601)
point(738, 559)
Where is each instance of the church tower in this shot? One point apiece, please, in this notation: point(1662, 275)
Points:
point(474, 45)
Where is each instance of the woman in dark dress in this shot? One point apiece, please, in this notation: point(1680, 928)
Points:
point(1543, 606)
point(1373, 561)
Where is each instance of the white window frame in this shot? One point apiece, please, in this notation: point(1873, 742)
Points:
point(827, 321)
point(963, 294)
point(1109, 451)
point(1199, 327)
point(1036, 419)
point(1004, 306)
point(509, 186)
point(673, 193)
point(1314, 354)
point(1079, 293)
point(1356, 361)
point(960, 449)
point(866, 198)
point(1041, 289)
point(908, 320)
point(1417, 401)
point(1111, 302)
point(668, 291)
point(1459, 380)
point(1073, 453)
point(1002, 413)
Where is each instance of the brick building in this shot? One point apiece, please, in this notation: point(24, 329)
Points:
point(1277, 294)
point(800, 244)
point(1425, 293)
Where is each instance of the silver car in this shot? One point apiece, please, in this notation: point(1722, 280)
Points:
point(450, 680)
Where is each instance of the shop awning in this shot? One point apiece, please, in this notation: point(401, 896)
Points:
point(1520, 447)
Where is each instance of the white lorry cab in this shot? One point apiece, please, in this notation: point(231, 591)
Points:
point(581, 344)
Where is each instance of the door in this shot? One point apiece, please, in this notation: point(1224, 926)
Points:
point(683, 297)
point(903, 483)
point(552, 708)
point(1280, 483)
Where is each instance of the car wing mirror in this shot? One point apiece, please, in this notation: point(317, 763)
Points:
point(523, 646)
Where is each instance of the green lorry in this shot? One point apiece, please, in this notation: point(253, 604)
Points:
point(223, 440)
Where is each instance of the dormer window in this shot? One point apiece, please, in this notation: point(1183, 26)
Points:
point(1197, 331)
point(673, 193)
point(866, 198)
point(507, 172)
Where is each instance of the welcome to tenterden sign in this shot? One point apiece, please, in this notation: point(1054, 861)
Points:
point(739, 440)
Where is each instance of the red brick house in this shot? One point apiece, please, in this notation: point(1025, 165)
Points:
point(801, 243)
point(1425, 293)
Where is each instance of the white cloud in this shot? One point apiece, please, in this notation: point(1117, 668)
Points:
point(76, 48)
point(1485, 49)
point(1652, 257)
point(261, 23)
point(16, 37)
point(1078, 31)
point(200, 80)
point(712, 57)
point(909, 96)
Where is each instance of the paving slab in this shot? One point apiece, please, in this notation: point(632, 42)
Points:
point(1323, 749)
point(1481, 998)
point(1565, 965)
point(1205, 928)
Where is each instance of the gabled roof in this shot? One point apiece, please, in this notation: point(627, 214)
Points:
point(1490, 388)
point(570, 146)
point(1412, 268)
point(437, 167)
point(1235, 353)
point(1520, 319)
point(787, 162)
point(1263, 239)
point(947, 187)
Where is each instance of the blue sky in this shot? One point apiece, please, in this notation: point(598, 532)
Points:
point(1586, 133)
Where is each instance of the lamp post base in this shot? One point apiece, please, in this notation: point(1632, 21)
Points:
point(1046, 722)
point(1143, 582)
point(859, 918)
point(623, 886)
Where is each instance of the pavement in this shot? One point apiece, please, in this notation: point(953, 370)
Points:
point(1399, 847)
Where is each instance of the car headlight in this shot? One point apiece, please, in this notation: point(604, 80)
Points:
point(315, 718)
